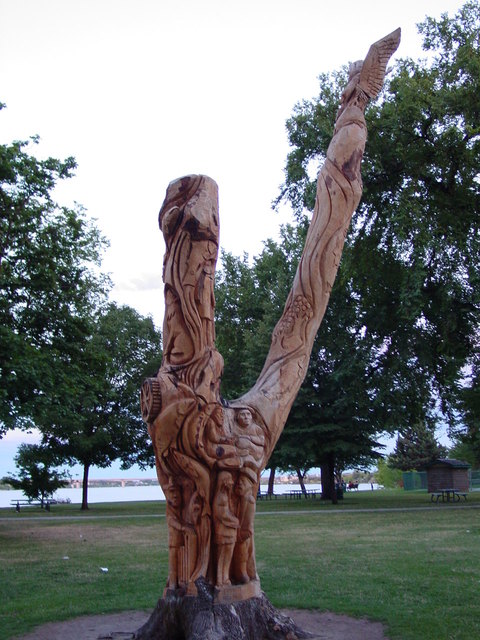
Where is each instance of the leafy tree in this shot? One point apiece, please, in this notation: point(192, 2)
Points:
point(37, 477)
point(415, 448)
point(410, 267)
point(463, 450)
point(70, 364)
point(249, 300)
point(91, 412)
point(236, 319)
point(466, 433)
point(388, 477)
point(49, 281)
point(401, 327)
point(333, 420)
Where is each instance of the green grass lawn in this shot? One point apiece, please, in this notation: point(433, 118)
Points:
point(416, 570)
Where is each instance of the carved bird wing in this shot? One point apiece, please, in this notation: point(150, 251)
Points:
point(375, 64)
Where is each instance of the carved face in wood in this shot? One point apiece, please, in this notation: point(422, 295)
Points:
point(244, 418)
point(174, 496)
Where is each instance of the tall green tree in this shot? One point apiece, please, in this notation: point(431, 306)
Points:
point(466, 432)
point(70, 364)
point(250, 296)
point(49, 279)
point(38, 476)
point(400, 330)
point(91, 413)
point(388, 477)
point(333, 420)
point(410, 267)
point(415, 448)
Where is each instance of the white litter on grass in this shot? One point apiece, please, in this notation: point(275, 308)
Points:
point(65, 558)
point(104, 569)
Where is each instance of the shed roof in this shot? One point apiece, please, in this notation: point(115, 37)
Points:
point(448, 462)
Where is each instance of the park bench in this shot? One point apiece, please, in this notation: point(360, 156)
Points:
point(18, 504)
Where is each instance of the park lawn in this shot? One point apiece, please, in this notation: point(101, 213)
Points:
point(417, 571)
point(353, 500)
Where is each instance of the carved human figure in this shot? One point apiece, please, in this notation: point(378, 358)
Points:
point(244, 556)
point(225, 526)
point(176, 530)
point(212, 444)
point(250, 439)
point(193, 534)
point(218, 445)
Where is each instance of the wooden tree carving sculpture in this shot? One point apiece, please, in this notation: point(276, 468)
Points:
point(210, 452)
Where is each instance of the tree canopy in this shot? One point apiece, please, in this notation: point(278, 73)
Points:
point(401, 329)
point(333, 421)
point(49, 278)
point(415, 448)
point(410, 265)
point(71, 364)
point(37, 477)
point(91, 413)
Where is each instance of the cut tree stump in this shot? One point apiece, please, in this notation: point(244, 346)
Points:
point(184, 617)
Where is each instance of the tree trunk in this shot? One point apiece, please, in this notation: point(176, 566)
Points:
point(325, 483)
point(301, 476)
point(271, 481)
point(331, 464)
point(328, 480)
point(198, 618)
point(86, 469)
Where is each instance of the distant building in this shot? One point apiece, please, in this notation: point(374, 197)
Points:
point(447, 473)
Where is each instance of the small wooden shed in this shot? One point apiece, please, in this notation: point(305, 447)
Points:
point(447, 473)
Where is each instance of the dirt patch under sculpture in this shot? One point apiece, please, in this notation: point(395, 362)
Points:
point(121, 626)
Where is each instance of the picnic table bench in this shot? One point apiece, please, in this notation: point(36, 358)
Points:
point(450, 495)
point(18, 504)
point(297, 494)
point(266, 496)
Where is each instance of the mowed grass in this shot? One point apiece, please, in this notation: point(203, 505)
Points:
point(413, 565)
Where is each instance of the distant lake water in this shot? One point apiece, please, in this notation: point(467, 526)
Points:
point(136, 494)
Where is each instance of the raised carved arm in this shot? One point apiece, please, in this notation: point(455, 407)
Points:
point(339, 188)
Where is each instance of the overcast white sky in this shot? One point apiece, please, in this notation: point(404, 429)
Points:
point(143, 91)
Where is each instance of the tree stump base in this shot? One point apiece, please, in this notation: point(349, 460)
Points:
point(183, 617)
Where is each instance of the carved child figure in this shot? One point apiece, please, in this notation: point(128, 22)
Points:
point(176, 530)
point(225, 527)
point(244, 557)
point(193, 515)
point(218, 446)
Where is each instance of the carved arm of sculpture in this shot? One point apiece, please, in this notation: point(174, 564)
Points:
point(339, 188)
